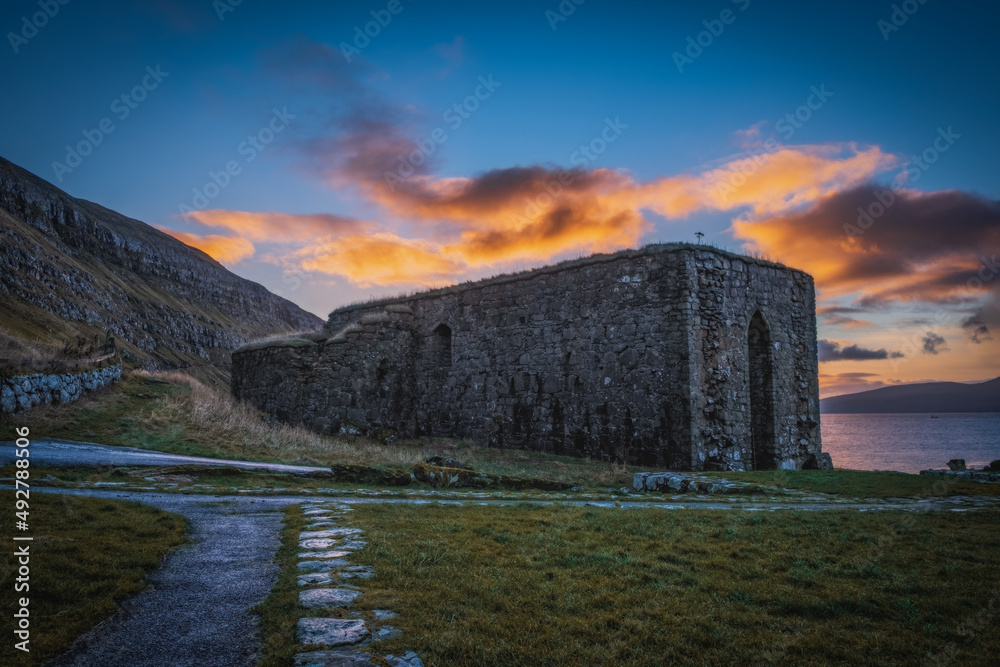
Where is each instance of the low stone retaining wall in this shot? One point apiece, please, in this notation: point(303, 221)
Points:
point(966, 475)
point(672, 482)
point(23, 392)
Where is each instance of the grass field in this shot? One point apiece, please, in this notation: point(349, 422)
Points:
point(87, 555)
point(567, 586)
point(864, 484)
point(280, 611)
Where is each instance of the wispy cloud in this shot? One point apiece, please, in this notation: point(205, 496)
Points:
point(835, 351)
point(228, 250)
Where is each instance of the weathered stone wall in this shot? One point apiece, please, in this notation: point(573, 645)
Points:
point(23, 392)
point(730, 291)
point(641, 356)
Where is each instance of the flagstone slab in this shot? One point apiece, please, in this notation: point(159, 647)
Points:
point(323, 554)
point(331, 532)
point(330, 631)
point(322, 565)
point(315, 578)
point(327, 598)
point(384, 614)
point(318, 544)
point(409, 659)
point(341, 658)
point(318, 512)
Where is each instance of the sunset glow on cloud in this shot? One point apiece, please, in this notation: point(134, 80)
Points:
point(533, 214)
point(899, 266)
point(924, 247)
point(381, 259)
point(226, 250)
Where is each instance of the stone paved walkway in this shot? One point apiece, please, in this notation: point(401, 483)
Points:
point(327, 579)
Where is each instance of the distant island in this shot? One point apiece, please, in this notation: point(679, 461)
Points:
point(924, 397)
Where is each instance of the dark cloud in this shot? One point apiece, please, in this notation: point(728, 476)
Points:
point(890, 246)
point(980, 322)
point(981, 334)
point(933, 343)
point(832, 351)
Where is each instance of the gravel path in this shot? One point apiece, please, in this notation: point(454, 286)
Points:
point(59, 453)
point(197, 611)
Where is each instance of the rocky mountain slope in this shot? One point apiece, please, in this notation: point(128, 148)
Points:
point(923, 397)
point(71, 270)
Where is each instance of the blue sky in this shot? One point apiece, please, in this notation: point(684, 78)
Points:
point(311, 217)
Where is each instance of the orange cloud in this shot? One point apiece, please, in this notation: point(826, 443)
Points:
point(529, 214)
point(223, 249)
point(788, 177)
point(881, 246)
point(278, 227)
point(381, 259)
point(777, 181)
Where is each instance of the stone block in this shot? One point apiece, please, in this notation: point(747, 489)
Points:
point(410, 659)
point(321, 565)
point(330, 631)
point(327, 598)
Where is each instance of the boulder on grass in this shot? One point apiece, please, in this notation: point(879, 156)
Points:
point(956, 464)
point(439, 476)
point(359, 474)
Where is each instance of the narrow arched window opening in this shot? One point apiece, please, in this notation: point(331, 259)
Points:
point(761, 388)
point(441, 346)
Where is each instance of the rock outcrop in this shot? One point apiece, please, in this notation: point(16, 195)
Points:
point(71, 268)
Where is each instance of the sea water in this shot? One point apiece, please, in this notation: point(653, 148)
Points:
point(910, 442)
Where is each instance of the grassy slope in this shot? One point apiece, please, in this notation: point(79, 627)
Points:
point(88, 554)
point(560, 586)
point(171, 412)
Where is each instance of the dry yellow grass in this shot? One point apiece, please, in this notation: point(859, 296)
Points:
point(17, 349)
point(173, 412)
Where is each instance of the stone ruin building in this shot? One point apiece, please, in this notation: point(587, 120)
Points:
point(676, 356)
